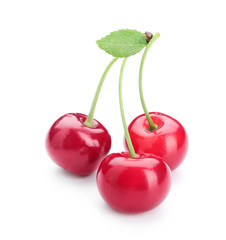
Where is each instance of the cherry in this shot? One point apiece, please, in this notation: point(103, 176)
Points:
point(158, 133)
point(133, 184)
point(77, 142)
point(169, 141)
point(76, 147)
point(130, 182)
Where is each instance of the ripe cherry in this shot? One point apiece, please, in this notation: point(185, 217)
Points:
point(77, 142)
point(133, 184)
point(169, 141)
point(76, 147)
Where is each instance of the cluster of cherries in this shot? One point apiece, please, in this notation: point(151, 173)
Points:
point(134, 181)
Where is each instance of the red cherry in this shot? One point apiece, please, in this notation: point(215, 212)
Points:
point(133, 184)
point(169, 141)
point(76, 147)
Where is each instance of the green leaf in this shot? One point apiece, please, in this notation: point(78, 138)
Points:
point(123, 43)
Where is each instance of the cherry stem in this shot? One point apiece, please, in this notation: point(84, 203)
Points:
point(152, 126)
point(128, 139)
point(89, 120)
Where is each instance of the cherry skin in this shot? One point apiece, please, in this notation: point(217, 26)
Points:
point(74, 146)
point(169, 141)
point(133, 185)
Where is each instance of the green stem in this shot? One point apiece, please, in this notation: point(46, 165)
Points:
point(89, 120)
point(152, 126)
point(128, 139)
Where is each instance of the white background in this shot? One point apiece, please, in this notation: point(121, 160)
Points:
point(50, 65)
